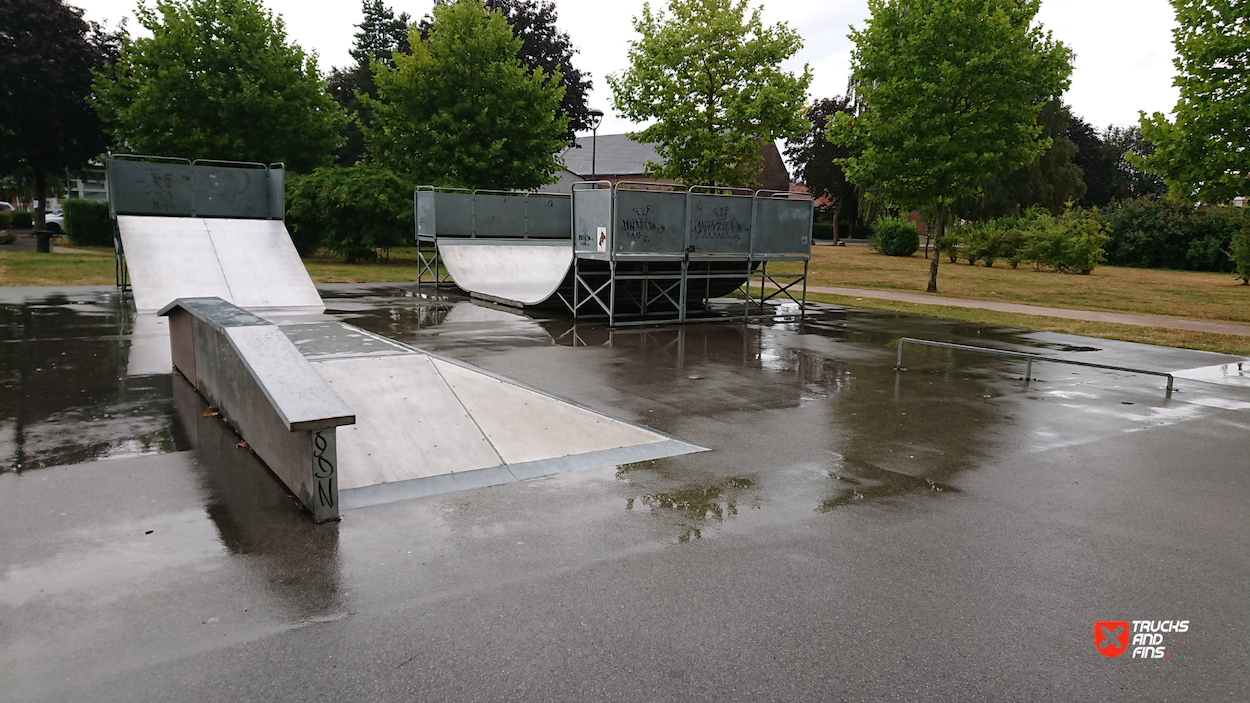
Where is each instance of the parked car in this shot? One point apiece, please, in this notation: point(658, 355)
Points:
point(55, 221)
point(5, 206)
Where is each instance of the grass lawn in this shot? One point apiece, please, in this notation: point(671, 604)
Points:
point(1206, 341)
point(1199, 296)
point(1204, 296)
point(27, 268)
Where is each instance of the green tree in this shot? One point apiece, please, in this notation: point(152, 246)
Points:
point(951, 90)
point(816, 159)
point(545, 47)
point(381, 35)
point(1050, 182)
point(1202, 156)
point(711, 79)
point(1128, 148)
point(462, 110)
point(47, 55)
point(218, 79)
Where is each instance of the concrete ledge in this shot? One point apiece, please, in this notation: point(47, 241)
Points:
point(263, 387)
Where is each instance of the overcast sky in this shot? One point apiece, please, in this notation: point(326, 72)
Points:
point(1123, 47)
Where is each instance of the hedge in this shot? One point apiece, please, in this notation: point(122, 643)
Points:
point(1160, 234)
point(6, 219)
point(22, 219)
point(87, 222)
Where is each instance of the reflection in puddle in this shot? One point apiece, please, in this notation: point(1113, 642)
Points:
point(691, 508)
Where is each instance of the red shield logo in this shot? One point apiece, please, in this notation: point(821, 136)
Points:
point(1111, 637)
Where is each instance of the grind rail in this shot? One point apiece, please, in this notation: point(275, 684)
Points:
point(1029, 358)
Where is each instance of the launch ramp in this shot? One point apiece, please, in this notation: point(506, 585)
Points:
point(347, 418)
point(188, 229)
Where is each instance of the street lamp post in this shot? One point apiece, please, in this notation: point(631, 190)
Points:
point(596, 118)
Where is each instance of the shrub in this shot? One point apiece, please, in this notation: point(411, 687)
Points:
point(1239, 250)
point(87, 223)
point(6, 220)
point(22, 219)
point(1071, 242)
point(897, 236)
point(354, 211)
point(954, 242)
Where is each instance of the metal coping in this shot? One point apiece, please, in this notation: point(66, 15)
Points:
point(139, 184)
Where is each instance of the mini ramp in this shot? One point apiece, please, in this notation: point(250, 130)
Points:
point(205, 229)
point(346, 418)
point(633, 253)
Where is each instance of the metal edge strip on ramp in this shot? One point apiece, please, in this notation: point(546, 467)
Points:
point(383, 493)
point(512, 271)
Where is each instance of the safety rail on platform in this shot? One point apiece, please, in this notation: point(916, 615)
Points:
point(1030, 358)
point(461, 213)
point(165, 186)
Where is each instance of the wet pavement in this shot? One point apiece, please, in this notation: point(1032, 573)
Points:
point(949, 532)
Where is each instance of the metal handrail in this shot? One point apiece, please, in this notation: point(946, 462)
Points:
point(1028, 371)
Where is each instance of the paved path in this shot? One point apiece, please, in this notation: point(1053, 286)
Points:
point(1087, 315)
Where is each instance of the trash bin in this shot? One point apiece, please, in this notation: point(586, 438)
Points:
point(43, 242)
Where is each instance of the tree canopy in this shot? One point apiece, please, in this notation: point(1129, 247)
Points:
point(1051, 182)
point(463, 110)
point(47, 55)
point(710, 77)
point(817, 159)
point(218, 79)
point(951, 92)
point(1202, 155)
point(381, 35)
point(545, 47)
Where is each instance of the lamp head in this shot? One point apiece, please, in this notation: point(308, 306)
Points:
point(596, 117)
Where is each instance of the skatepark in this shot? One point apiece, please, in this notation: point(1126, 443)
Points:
point(529, 504)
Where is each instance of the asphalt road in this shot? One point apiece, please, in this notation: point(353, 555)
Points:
point(949, 532)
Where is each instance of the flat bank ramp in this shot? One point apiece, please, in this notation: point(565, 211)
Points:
point(426, 425)
point(250, 263)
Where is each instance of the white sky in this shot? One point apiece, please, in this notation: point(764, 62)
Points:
point(1123, 47)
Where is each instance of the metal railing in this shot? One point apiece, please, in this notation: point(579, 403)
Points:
point(1029, 358)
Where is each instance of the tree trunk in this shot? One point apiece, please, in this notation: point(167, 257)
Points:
point(937, 250)
point(41, 200)
point(837, 212)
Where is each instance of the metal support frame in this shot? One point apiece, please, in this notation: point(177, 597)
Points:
point(1030, 358)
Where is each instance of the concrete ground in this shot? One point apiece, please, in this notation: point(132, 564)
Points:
point(949, 532)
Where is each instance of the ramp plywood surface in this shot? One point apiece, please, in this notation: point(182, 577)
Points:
point(526, 426)
point(250, 263)
point(261, 265)
point(409, 423)
point(526, 274)
point(170, 258)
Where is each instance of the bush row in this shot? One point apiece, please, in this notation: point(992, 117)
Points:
point(6, 220)
point(87, 223)
point(358, 212)
point(1073, 242)
point(22, 219)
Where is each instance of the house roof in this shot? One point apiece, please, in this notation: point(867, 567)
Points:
point(614, 155)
